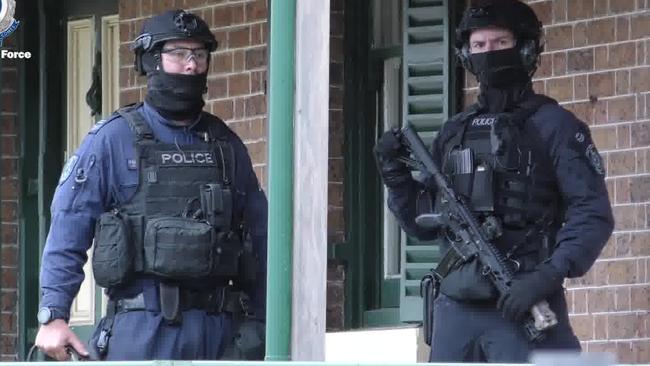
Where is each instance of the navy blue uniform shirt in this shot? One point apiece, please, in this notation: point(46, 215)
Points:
point(588, 219)
point(102, 174)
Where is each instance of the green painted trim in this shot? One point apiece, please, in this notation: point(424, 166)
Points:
point(385, 317)
point(280, 236)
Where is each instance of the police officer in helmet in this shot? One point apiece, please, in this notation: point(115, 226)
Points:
point(520, 161)
point(168, 195)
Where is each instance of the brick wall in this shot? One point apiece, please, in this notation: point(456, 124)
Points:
point(10, 149)
point(336, 217)
point(597, 65)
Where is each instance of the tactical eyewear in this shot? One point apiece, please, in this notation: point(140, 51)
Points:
point(182, 55)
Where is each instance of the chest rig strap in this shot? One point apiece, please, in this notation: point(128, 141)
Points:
point(138, 125)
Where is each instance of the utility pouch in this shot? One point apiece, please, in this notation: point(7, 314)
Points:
point(112, 259)
point(227, 255)
point(429, 286)
point(483, 188)
point(461, 163)
point(466, 282)
point(216, 202)
point(178, 248)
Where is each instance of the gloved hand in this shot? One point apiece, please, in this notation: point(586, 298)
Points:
point(387, 151)
point(527, 289)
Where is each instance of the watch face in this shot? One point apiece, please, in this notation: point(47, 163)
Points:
point(44, 315)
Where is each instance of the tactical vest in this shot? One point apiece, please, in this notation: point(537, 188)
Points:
point(501, 167)
point(179, 223)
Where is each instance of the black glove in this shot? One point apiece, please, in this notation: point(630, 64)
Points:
point(527, 289)
point(387, 152)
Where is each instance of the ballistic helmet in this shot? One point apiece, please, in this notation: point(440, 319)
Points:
point(170, 25)
point(513, 15)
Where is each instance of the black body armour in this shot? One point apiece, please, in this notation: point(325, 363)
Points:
point(179, 223)
point(498, 164)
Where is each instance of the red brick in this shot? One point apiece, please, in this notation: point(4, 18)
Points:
point(601, 31)
point(622, 55)
point(640, 79)
point(559, 64)
point(580, 9)
point(623, 133)
point(217, 88)
point(580, 60)
point(544, 11)
point(622, 82)
point(600, 326)
point(255, 105)
point(256, 10)
point(628, 217)
point(621, 109)
point(621, 163)
point(559, 11)
point(640, 134)
point(9, 257)
point(222, 39)
point(223, 109)
point(579, 301)
point(146, 8)
point(601, 84)
point(240, 108)
point(8, 344)
point(9, 301)
point(621, 6)
point(9, 125)
point(258, 82)
point(127, 9)
point(600, 300)
point(8, 145)
point(9, 278)
point(9, 234)
point(221, 62)
point(195, 3)
point(239, 84)
point(159, 6)
point(640, 297)
point(623, 296)
point(623, 326)
point(583, 326)
point(560, 88)
point(257, 34)
point(601, 8)
point(9, 101)
point(640, 189)
point(255, 58)
point(622, 190)
point(223, 16)
point(544, 69)
point(581, 92)
point(9, 189)
point(640, 25)
point(239, 38)
point(559, 37)
point(601, 57)
point(622, 29)
point(604, 137)
point(239, 59)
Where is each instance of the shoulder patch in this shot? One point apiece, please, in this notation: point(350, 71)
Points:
point(68, 168)
point(595, 159)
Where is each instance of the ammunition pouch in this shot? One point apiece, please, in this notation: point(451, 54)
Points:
point(466, 281)
point(113, 253)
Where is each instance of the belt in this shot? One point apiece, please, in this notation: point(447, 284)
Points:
point(215, 301)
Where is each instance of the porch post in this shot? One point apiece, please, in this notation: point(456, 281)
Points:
point(311, 118)
point(281, 107)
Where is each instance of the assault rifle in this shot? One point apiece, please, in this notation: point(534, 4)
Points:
point(471, 239)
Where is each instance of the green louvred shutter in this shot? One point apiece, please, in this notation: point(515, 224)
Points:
point(426, 68)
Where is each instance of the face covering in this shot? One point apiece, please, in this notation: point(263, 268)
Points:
point(176, 97)
point(499, 69)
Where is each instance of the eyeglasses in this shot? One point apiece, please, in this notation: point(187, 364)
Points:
point(181, 54)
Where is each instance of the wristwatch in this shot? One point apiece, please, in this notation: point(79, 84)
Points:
point(46, 315)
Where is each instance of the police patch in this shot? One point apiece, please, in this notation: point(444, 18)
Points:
point(131, 164)
point(68, 168)
point(167, 158)
point(595, 159)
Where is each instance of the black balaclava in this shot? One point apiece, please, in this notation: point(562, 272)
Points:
point(503, 80)
point(176, 96)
